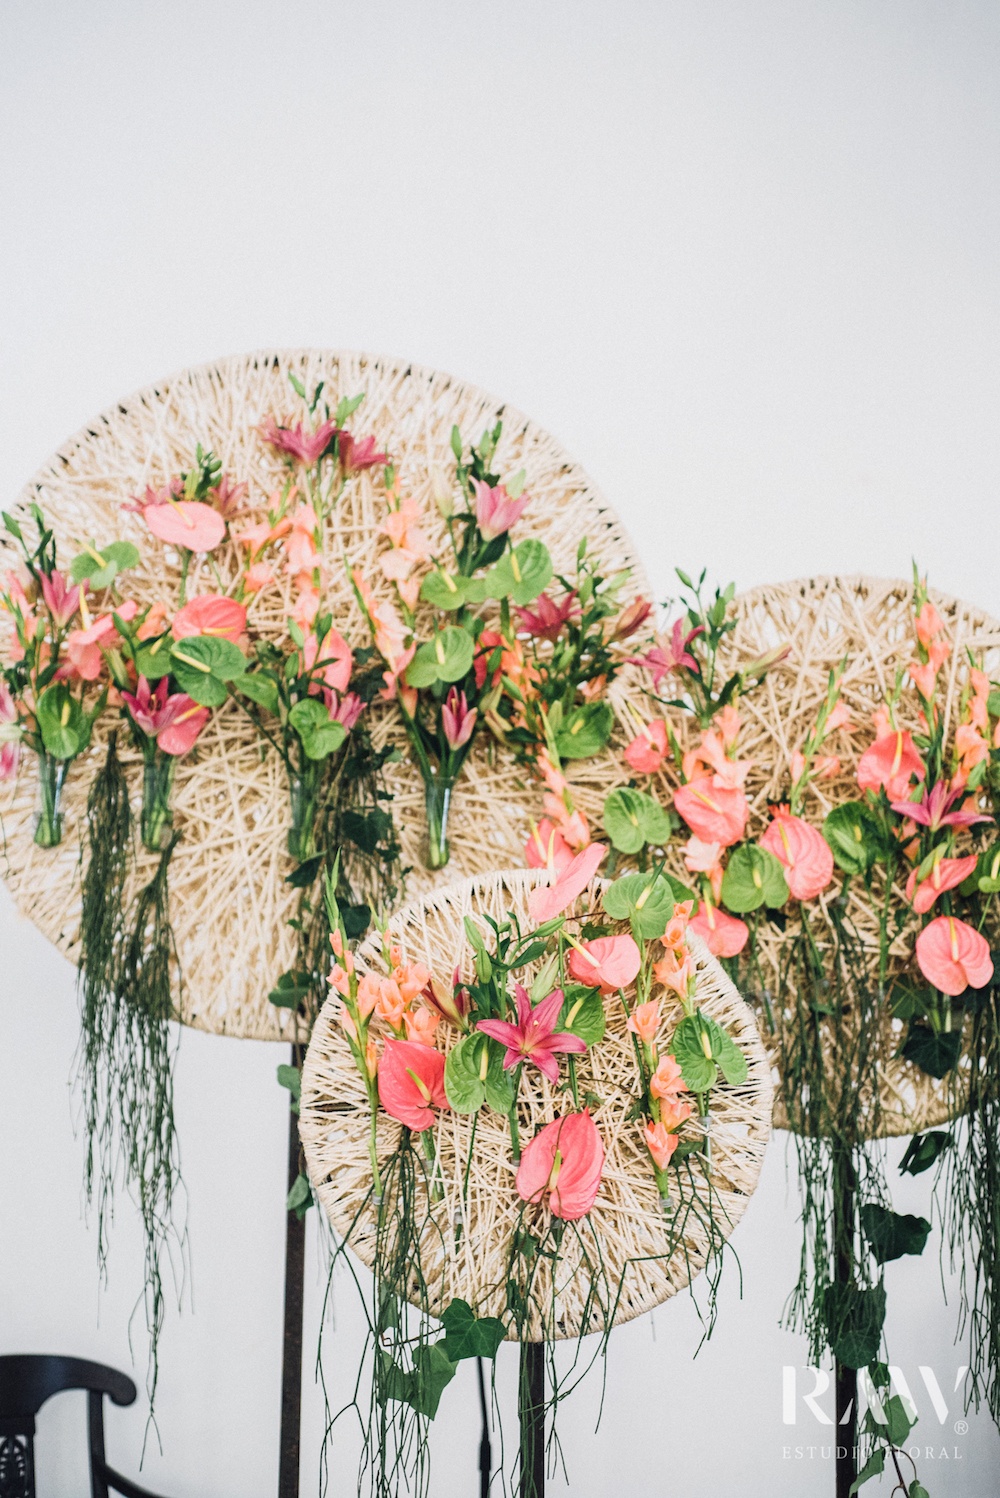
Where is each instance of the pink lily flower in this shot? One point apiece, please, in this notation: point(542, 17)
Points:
point(411, 1083)
point(457, 719)
point(631, 619)
point(551, 900)
point(10, 735)
point(675, 656)
point(563, 1162)
point(228, 497)
point(953, 956)
point(946, 873)
point(174, 721)
point(356, 455)
point(305, 447)
point(62, 602)
point(347, 710)
point(210, 614)
point(534, 1037)
point(496, 512)
point(546, 618)
point(933, 808)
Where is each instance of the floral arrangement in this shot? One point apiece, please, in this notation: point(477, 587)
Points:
point(862, 928)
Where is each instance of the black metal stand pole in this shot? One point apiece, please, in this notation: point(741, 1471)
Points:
point(846, 1379)
point(531, 1412)
point(485, 1450)
point(291, 1358)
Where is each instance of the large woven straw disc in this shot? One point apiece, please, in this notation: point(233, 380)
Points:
point(229, 901)
point(627, 1217)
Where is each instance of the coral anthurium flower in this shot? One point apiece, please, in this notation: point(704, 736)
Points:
point(945, 873)
point(563, 1163)
point(644, 1021)
point(189, 719)
point(534, 1038)
point(607, 962)
point(496, 512)
point(660, 1143)
point(892, 761)
point(210, 614)
point(648, 749)
point(953, 956)
point(187, 523)
point(802, 850)
point(724, 935)
point(546, 848)
point(715, 813)
point(551, 900)
point(411, 1083)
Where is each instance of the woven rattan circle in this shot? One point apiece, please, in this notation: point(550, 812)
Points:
point(230, 903)
point(627, 1216)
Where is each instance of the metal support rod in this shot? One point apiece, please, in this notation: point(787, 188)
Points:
point(485, 1450)
point(531, 1412)
point(291, 1359)
point(846, 1379)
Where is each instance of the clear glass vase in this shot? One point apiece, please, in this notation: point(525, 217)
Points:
point(437, 799)
point(305, 798)
point(157, 813)
point(52, 774)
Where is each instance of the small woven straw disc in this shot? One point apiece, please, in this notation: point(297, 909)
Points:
point(823, 620)
point(627, 1217)
point(229, 900)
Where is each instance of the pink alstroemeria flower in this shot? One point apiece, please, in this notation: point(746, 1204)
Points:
point(10, 735)
point(552, 899)
point(187, 523)
point(305, 447)
point(62, 602)
point(357, 454)
point(210, 614)
point(563, 1162)
point(173, 721)
point(534, 1037)
point(546, 618)
point(953, 956)
point(945, 873)
point(457, 719)
point(411, 1083)
point(933, 810)
point(607, 962)
point(662, 661)
point(496, 512)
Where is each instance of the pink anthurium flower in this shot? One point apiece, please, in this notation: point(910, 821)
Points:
point(180, 735)
point(723, 934)
point(10, 735)
point(933, 810)
point(563, 1163)
point(411, 1083)
point(953, 956)
point(803, 852)
point(62, 602)
point(647, 751)
point(84, 647)
point(892, 761)
point(551, 900)
point(546, 618)
point(945, 873)
point(305, 447)
point(457, 719)
point(496, 512)
point(187, 523)
point(534, 1038)
point(607, 962)
point(210, 614)
point(715, 813)
point(546, 848)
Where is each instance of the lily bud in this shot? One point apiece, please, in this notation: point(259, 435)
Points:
point(451, 1004)
point(444, 497)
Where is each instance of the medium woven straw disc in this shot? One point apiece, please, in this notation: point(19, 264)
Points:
point(229, 901)
point(627, 1217)
point(823, 620)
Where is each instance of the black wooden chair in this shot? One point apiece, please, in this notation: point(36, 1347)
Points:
point(26, 1382)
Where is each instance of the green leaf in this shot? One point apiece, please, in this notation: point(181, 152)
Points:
point(923, 1150)
point(854, 1320)
point(202, 664)
point(304, 873)
point(934, 1052)
point(583, 1014)
point(890, 1234)
point(443, 591)
point(632, 819)
point(11, 525)
point(153, 658)
point(447, 657)
point(62, 722)
point(701, 1047)
point(753, 877)
point(917, 1490)
point(854, 837)
point(290, 1077)
point(260, 687)
point(117, 557)
point(320, 734)
point(646, 900)
point(469, 1083)
point(873, 1467)
point(423, 1386)
point(300, 1197)
point(522, 573)
point(468, 1335)
point(908, 1000)
point(585, 731)
point(292, 987)
point(898, 1422)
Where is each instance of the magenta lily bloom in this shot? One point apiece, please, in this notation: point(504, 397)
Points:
point(62, 602)
point(933, 809)
point(496, 512)
point(356, 455)
point(457, 719)
point(661, 662)
point(306, 447)
point(173, 721)
point(534, 1036)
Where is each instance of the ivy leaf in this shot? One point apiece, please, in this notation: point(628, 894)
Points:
point(873, 1467)
point(632, 819)
point(753, 877)
point(854, 837)
point(62, 722)
point(260, 687)
point(468, 1335)
point(854, 1320)
point(443, 591)
point(890, 1234)
point(898, 1423)
point(291, 988)
point(202, 664)
point(923, 1150)
point(934, 1052)
point(447, 657)
point(583, 1014)
point(304, 873)
point(585, 731)
point(101, 570)
point(366, 830)
point(701, 1047)
point(423, 1386)
point(290, 1077)
point(645, 900)
point(300, 1197)
point(521, 574)
point(469, 1083)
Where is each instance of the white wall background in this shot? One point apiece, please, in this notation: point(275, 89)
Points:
point(742, 259)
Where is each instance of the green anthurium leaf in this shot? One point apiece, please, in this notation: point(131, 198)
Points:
point(854, 837)
point(468, 1335)
point(632, 819)
point(260, 687)
point(101, 570)
point(153, 660)
point(324, 740)
point(890, 1234)
point(934, 1052)
point(854, 1320)
point(583, 1014)
point(202, 664)
point(986, 876)
point(873, 1467)
point(474, 1075)
point(701, 1048)
point(447, 657)
point(923, 1151)
point(753, 877)
point(585, 730)
point(62, 722)
point(521, 574)
point(308, 714)
point(424, 1384)
point(444, 591)
point(646, 900)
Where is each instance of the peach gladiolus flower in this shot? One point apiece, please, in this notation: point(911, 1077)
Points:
point(677, 926)
point(724, 935)
point(729, 723)
point(715, 813)
point(210, 614)
point(644, 1021)
point(660, 1143)
point(892, 761)
point(838, 717)
point(923, 676)
point(421, 1024)
point(674, 971)
point(551, 900)
point(563, 1162)
point(953, 956)
point(607, 962)
point(369, 991)
point(945, 874)
point(411, 1083)
point(411, 978)
point(666, 1081)
point(648, 749)
point(187, 523)
point(929, 623)
point(802, 851)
